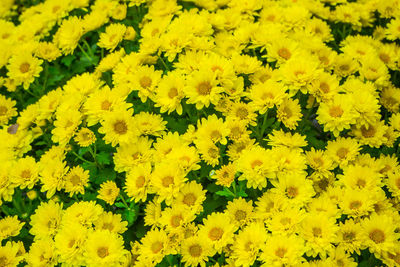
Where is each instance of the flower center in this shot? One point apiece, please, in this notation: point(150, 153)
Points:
point(24, 68)
point(242, 113)
point(102, 252)
point(284, 53)
point(377, 235)
point(292, 192)
point(240, 215)
point(342, 152)
point(368, 133)
point(120, 127)
point(3, 110)
point(215, 233)
point(145, 82)
point(189, 199)
point(176, 220)
point(167, 181)
point(195, 250)
point(317, 232)
point(355, 205)
point(140, 181)
point(75, 180)
point(105, 105)
point(204, 88)
point(156, 247)
point(280, 252)
point(336, 111)
point(172, 92)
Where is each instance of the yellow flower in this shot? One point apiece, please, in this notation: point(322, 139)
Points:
point(248, 243)
point(283, 250)
point(130, 155)
point(145, 81)
point(10, 226)
point(349, 236)
point(10, 254)
point(202, 89)
point(42, 253)
point(108, 192)
point(338, 114)
point(167, 180)
point(23, 68)
point(85, 137)
point(372, 134)
point(225, 175)
point(118, 127)
point(267, 95)
point(393, 29)
point(46, 220)
point(195, 251)
point(289, 113)
point(111, 222)
point(299, 71)
point(69, 242)
point(240, 211)
point(112, 36)
point(296, 188)
point(343, 150)
point(76, 180)
point(26, 172)
point(379, 234)
point(103, 247)
point(68, 35)
point(7, 109)
point(154, 246)
point(137, 183)
point(212, 128)
point(170, 92)
point(52, 176)
point(83, 212)
point(47, 51)
point(218, 232)
point(191, 196)
point(149, 124)
point(320, 232)
point(255, 167)
point(356, 203)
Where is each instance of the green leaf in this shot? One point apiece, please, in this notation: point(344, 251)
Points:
point(242, 194)
point(105, 175)
point(119, 205)
point(91, 168)
point(224, 193)
point(67, 60)
point(103, 158)
point(130, 216)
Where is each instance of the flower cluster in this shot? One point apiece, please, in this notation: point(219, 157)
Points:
point(201, 132)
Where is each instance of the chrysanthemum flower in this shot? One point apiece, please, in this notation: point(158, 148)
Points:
point(111, 222)
point(118, 127)
point(379, 233)
point(195, 250)
point(248, 243)
point(112, 36)
point(46, 220)
point(26, 172)
point(85, 137)
point(76, 180)
point(23, 68)
point(283, 250)
point(10, 226)
point(170, 92)
point(104, 248)
point(218, 232)
point(68, 35)
point(202, 89)
point(137, 183)
point(108, 192)
point(7, 109)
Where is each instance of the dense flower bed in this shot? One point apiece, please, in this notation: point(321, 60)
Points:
point(202, 132)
